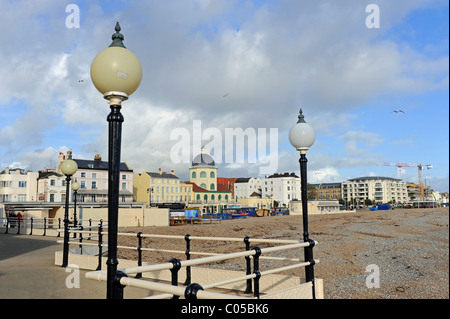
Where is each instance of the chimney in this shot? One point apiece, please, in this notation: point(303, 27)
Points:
point(172, 172)
point(159, 171)
point(97, 160)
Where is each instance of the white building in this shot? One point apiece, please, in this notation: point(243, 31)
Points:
point(16, 185)
point(282, 188)
point(375, 188)
point(246, 187)
point(93, 178)
point(51, 187)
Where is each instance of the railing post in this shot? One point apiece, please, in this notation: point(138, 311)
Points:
point(7, 224)
point(80, 240)
point(100, 241)
point(45, 226)
point(59, 227)
point(191, 291)
point(118, 287)
point(18, 226)
point(248, 290)
point(188, 257)
point(176, 267)
point(139, 249)
point(256, 270)
point(31, 226)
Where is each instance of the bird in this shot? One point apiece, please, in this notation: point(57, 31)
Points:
point(79, 81)
point(225, 95)
point(399, 111)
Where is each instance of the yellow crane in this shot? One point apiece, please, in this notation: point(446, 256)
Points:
point(420, 167)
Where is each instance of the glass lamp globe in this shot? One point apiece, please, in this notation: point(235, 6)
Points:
point(116, 70)
point(69, 167)
point(75, 186)
point(302, 135)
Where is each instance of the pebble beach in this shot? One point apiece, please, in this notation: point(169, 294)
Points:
point(408, 249)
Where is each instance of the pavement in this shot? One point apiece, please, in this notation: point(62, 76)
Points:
point(28, 271)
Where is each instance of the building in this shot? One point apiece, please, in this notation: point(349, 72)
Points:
point(376, 189)
point(245, 187)
point(159, 187)
point(51, 187)
point(209, 195)
point(328, 191)
point(93, 178)
point(282, 188)
point(18, 185)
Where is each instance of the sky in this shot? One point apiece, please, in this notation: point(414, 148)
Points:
point(217, 66)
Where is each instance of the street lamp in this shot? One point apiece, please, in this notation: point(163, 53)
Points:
point(75, 188)
point(117, 73)
point(68, 168)
point(302, 137)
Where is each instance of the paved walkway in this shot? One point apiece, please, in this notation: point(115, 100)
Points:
point(28, 271)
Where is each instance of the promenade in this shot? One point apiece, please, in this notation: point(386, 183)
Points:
point(28, 271)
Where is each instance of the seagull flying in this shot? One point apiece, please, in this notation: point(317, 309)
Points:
point(399, 111)
point(225, 95)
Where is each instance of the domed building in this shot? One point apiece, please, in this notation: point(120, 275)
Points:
point(203, 171)
point(207, 192)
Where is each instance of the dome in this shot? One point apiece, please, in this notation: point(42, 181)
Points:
point(203, 159)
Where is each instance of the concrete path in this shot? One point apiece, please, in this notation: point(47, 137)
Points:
point(28, 271)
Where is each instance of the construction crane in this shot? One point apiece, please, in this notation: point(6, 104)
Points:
point(420, 167)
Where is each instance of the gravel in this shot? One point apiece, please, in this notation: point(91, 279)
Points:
point(408, 248)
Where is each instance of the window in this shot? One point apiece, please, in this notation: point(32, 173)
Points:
point(198, 196)
point(52, 198)
point(212, 175)
point(203, 185)
point(83, 174)
point(83, 184)
point(124, 185)
point(22, 198)
point(94, 185)
point(124, 176)
point(22, 184)
point(94, 175)
point(213, 187)
point(52, 182)
point(203, 175)
point(205, 197)
point(194, 175)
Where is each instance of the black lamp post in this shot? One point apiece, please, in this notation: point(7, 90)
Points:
point(302, 136)
point(117, 73)
point(75, 188)
point(68, 168)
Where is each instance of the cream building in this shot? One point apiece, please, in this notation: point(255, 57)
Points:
point(375, 188)
point(157, 188)
point(16, 185)
point(282, 188)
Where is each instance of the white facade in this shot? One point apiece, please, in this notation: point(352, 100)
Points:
point(51, 187)
point(244, 187)
point(16, 185)
point(377, 189)
point(282, 188)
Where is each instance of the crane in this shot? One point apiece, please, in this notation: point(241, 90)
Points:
point(420, 167)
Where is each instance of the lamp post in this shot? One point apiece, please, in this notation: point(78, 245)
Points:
point(68, 168)
point(117, 73)
point(149, 191)
point(75, 188)
point(302, 137)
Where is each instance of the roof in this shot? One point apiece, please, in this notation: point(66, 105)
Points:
point(374, 178)
point(162, 175)
point(203, 160)
point(99, 165)
point(276, 175)
point(220, 188)
point(43, 175)
point(242, 180)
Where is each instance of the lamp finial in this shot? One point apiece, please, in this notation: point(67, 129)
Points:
point(117, 37)
point(301, 117)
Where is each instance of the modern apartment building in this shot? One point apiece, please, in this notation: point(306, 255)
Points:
point(375, 188)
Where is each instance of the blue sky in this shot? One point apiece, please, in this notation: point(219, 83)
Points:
point(270, 57)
